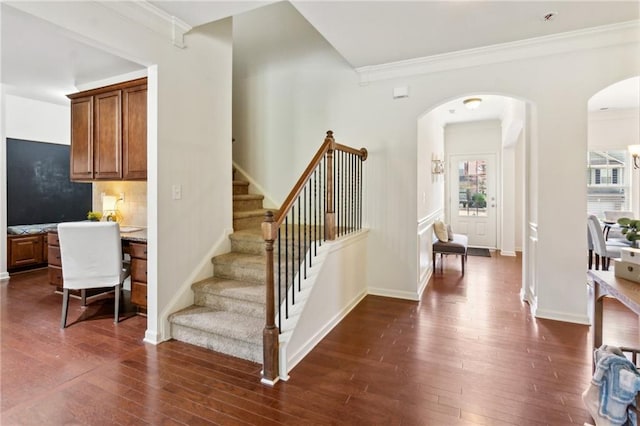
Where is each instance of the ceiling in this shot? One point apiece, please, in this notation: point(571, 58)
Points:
point(41, 61)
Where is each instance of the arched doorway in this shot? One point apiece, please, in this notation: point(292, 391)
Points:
point(613, 126)
point(481, 188)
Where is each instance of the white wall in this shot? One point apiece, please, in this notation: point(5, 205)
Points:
point(473, 137)
point(430, 186)
point(290, 86)
point(189, 139)
point(430, 193)
point(340, 285)
point(3, 186)
point(282, 74)
point(614, 128)
point(368, 116)
point(37, 120)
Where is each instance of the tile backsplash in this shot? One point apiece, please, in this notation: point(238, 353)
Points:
point(133, 210)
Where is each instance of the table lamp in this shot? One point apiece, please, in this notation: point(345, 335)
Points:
point(109, 208)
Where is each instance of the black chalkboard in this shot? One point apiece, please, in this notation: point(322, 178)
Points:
point(38, 185)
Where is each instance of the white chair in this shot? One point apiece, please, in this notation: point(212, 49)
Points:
point(612, 216)
point(605, 250)
point(91, 254)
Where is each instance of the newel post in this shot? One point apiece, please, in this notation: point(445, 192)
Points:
point(270, 334)
point(330, 215)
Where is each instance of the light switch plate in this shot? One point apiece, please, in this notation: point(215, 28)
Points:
point(176, 192)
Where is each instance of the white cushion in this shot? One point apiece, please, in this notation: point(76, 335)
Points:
point(441, 231)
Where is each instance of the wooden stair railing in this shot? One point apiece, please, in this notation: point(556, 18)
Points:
point(325, 203)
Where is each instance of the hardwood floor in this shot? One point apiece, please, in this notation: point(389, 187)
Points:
point(468, 354)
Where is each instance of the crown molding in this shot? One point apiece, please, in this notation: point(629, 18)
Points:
point(596, 37)
point(152, 17)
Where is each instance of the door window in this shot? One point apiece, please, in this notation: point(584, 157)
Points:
point(472, 187)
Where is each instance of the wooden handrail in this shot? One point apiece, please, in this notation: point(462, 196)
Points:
point(270, 233)
point(328, 145)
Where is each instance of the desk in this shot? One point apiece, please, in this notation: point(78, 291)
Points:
point(627, 292)
point(133, 243)
point(607, 284)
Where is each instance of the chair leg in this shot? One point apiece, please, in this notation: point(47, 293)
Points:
point(83, 295)
point(117, 303)
point(597, 261)
point(433, 255)
point(441, 262)
point(65, 307)
point(590, 259)
point(462, 259)
point(605, 263)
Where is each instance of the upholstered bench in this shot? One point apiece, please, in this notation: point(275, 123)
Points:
point(456, 245)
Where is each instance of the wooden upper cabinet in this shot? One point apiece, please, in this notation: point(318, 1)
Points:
point(107, 136)
point(82, 138)
point(109, 132)
point(134, 132)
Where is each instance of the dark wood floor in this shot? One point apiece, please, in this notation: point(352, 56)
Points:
point(468, 353)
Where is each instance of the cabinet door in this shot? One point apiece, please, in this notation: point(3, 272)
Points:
point(82, 138)
point(25, 251)
point(134, 132)
point(107, 136)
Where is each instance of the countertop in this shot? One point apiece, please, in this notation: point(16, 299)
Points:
point(136, 234)
point(139, 236)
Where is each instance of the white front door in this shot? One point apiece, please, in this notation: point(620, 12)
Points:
point(473, 198)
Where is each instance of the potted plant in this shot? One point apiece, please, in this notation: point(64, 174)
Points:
point(94, 216)
point(630, 229)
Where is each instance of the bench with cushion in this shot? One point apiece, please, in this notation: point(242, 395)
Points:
point(448, 243)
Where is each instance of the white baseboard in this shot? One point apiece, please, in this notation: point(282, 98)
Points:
point(424, 282)
point(151, 337)
point(398, 294)
point(562, 316)
point(4, 275)
point(507, 253)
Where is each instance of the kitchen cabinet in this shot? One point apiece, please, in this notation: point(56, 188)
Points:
point(109, 132)
point(134, 132)
point(55, 261)
point(26, 250)
point(138, 253)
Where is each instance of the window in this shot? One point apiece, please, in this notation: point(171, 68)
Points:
point(606, 187)
point(472, 184)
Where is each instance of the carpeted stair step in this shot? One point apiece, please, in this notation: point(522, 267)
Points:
point(246, 219)
point(247, 241)
point(221, 331)
point(241, 297)
point(243, 202)
point(250, 241)
point(240, 187)
point(248, 267)
point(240, 267)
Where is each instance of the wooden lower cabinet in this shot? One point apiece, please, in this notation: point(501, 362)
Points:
point(26, 250)
point(138, 253)
point(55, 262)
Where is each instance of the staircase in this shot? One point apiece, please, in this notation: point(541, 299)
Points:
point(228, 314)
